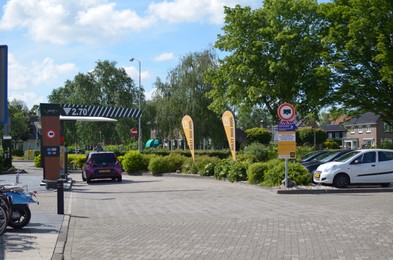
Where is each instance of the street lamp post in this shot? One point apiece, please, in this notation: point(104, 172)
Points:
point(139, 106)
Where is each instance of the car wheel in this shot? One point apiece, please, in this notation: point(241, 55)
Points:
point(341, 180)
point(88, 180)
point(83, 177)
point(119, 179)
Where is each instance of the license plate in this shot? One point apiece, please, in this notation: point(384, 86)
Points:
point(317, 175)
point(105, 171)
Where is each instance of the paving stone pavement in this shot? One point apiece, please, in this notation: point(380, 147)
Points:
point(171, 217)
point(147, 217)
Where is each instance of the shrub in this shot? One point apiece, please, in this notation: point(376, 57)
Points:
point(18, 153)
point(387, 145)
point(76, 161)
point(222, 168)
point(37, 161)
point(306, 136)
point(259, 150)
point(302, 150)
point(330, 145)
point(201, 162)
point(133, 161)
point(165, 164)
point(296, 172)
point(189, 167)
point(238, 171)
point(256, 172)
point(260, 135)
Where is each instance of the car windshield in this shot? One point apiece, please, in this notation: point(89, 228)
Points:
point(323, 156)
point(347, 156)
point(328, 157)
point(103, 159)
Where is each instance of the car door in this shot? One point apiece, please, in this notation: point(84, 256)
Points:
point(363, 169)
point(385, 166)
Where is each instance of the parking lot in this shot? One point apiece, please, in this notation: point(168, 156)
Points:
point(147, 217)
point(171, 217)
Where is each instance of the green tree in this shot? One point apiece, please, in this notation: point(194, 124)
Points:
point(276, 55)
point(19, 115)
point(360, 39)
point(183, 93)
point(105, 85)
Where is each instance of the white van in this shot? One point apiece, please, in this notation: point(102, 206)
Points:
point(358, 166)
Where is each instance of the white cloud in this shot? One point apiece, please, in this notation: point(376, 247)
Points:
point(64, 21)
point(165, 56)
point(177, 11)
point(37, 77)
point(133, 72)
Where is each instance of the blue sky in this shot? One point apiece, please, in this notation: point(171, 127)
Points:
point(50, 41)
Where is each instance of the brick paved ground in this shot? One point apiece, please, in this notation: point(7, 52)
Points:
point(147, 217)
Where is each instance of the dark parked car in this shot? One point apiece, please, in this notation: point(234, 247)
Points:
point(311, 156)
point(328, 157)
point(101, 165)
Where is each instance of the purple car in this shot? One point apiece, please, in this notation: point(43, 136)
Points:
point(101, 165)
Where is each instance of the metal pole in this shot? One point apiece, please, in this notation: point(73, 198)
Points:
point(139, 119)
point(139, 107)
point(286, 173)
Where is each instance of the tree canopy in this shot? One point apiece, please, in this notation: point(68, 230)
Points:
point(309, 54)
point(106, 85)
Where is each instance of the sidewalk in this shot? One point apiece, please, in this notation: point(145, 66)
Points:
point(43, 237)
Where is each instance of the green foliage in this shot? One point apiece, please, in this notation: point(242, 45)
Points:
point(222, 168)
point(238, 171)
point(276, 174)
point(205, 165)
point(37, 161)
point(260, 151)
point(189, 167)
point(76, 161)
point(133, 161)
point(165, 164)
point(256, 172)
point(302, 150)
point(360, 34)
point(305, 136)
point(387, 145)
point(259, 135)
point(18, 153)
point(330, 144)
point(2, 164)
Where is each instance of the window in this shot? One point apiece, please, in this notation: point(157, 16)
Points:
point(387, 128)
point(352, 130)
point(385, 156)
point(360, 129)
point(368, 157)
point(368, 129)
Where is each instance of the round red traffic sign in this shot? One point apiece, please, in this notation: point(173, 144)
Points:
point(286, 112)
point(134, 131)
point(51, 134)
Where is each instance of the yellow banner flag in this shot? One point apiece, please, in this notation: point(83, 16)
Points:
point(228, 121)
point(188, 128)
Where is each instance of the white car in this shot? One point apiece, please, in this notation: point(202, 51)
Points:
point(358, 166)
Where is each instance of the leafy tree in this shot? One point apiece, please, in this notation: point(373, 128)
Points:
point(19, 115)
point(360, 39)
point(260, 135)
point(105, 85)
point(183, 93)
point(276, 55)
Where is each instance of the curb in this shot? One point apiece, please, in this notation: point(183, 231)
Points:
point(325, 191)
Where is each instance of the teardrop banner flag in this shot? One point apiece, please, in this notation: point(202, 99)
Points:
point(228, 121)
point(188, 128)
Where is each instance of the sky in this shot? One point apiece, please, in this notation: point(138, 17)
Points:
point(51, 41)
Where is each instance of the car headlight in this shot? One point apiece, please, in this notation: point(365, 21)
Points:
point(331, 168)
